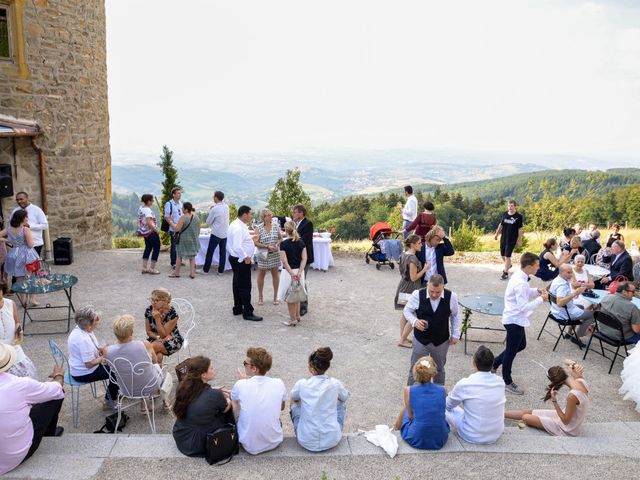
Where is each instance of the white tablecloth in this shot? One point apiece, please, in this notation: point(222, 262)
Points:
point(204, 243)
point(322, 257)
point(596, 270)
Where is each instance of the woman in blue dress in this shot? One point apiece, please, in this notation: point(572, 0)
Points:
point(19, 235)
point(422, 422)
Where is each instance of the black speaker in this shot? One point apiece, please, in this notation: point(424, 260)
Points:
point(63, 251)
point(6, 181)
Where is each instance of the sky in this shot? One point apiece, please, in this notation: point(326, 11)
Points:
point(257, 76)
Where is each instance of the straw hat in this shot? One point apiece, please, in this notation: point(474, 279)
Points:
point(7, 357)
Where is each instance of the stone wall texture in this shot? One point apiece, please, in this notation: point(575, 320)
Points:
point(66, 94)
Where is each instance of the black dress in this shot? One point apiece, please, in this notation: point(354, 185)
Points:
point(204, 415)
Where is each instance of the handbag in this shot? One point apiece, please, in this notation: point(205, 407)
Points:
point(176, 235)
point(33, 266)
point(164, 225)
point(613, 285)
point(222, 444)
point(295, 293)
point(262, 254)
point(110, 423)
point(403, 298)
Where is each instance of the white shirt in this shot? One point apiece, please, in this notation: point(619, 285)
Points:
point(430, 257)
point(239, 241)
point(82, 347)
point(259, 427)
point(173, 209)
point(318, 427)
point(410, 210)
point(561, 288)
point(517, 306)
point(37, 222)
point(413, 303)
point(482, 394)
point(218, 220)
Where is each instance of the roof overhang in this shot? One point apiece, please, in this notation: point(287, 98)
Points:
point(14, 127)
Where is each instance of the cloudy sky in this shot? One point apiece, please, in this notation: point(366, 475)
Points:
point(518, 76)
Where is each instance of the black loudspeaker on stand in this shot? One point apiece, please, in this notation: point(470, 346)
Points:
point(6, 181)
point(63, 251)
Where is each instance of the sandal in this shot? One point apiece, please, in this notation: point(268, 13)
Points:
point(276, 302)
point(173, 275)
point(406, 344)
point(289, 324)
point(153, 272)
point(192, 276)
point(145, 271)
point(260, 301)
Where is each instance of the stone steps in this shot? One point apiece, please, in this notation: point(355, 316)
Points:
point(80, 455)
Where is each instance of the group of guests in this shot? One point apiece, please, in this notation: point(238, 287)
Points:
point(280, 246)
point(317, 405)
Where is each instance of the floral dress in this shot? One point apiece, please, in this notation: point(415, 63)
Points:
point(175, 343)
point(20, 255)
point(269, 238)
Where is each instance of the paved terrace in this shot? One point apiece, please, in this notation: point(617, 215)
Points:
point(351, 310)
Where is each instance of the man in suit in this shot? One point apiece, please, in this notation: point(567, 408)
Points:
point(305, 230)
point(621, 264)
point(592, 245)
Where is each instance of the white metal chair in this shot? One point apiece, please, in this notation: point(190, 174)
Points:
point(61, 361)
point(186, 315)
point(128, 377)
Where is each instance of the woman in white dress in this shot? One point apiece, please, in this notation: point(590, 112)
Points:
point(11, 334)
point(630, 375)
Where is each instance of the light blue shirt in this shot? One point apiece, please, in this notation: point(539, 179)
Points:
point(218, 220)
point(561, 288)
point(318, 428)
point(173, 209)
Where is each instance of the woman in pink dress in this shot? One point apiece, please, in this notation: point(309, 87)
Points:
point(567, 422)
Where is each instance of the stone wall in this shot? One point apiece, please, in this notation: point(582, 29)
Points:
point(66, 93)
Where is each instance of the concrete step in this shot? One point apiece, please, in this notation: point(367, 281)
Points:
point(80, 455)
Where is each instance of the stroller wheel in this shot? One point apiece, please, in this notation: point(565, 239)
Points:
point(377, 266)
point(366, 258)
point(392, 265)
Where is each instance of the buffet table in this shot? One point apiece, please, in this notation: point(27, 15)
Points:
point(204, 243)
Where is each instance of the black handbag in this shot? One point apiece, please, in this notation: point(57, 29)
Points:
point(164, 225)
point(110, 423)
point(222, 445)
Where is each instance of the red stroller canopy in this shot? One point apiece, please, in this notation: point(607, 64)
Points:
point(376, 228)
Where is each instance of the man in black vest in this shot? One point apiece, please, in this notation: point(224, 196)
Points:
point(430, 311)
point(305, 230)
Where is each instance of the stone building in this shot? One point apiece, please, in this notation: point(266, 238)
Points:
point(54, 119)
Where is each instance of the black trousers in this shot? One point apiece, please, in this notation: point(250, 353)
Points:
point(44, 417)
point(172, 251)
point(100, 373)
point(241, 286)
point(304, 306)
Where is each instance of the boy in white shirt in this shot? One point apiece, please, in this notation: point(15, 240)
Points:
point(259, 401)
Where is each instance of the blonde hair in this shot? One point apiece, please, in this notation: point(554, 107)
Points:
point(162, 294)
point(432, 233)
point(123, 327)
point(291, 230)
point(425, 369)
point(265, 211)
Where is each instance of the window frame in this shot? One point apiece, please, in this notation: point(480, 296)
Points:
point(16, 63)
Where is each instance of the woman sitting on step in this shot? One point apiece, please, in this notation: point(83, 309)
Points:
point(567, 423)
point(199, 408)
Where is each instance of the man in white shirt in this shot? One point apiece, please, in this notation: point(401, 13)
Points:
point(37, 219)
point(410, 210)
point(515, 317)
point(259, 401)
point(561, 288)
point(430, 311)
point(218, 220)
point(172, 213)
point(482, 395)
point(241, 248)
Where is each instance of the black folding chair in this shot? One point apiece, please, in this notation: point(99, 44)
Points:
point(618, 341)
point(561, 323)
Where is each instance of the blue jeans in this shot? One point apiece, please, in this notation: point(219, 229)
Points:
point(296, 408)
point(214, 242)
point(516, 342)
point(405, 224)
point(151, 247)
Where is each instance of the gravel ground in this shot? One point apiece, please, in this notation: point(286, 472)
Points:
point(351, 310)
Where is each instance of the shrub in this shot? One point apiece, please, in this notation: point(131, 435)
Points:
point(127, 242)
point(465, 238)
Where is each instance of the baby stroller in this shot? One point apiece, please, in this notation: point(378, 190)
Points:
point(385, 246)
